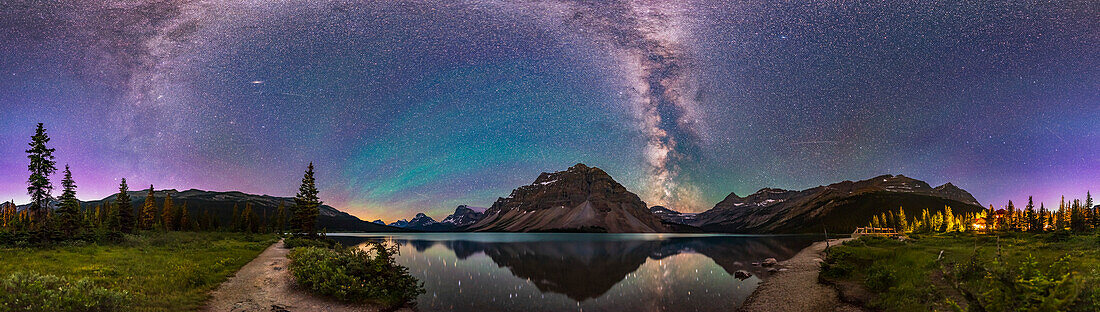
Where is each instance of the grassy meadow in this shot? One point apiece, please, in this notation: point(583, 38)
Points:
point(160, 271)
point(967, 272)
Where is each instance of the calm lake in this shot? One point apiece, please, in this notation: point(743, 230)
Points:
point(584, 272)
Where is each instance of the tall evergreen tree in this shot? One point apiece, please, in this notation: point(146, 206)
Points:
point(68, 211)
point(8, 213)
point(184, 219)
point(235, 224)
point(149, 210)
point(1032, 218)
point(168, 214)
point(41, 167)
point(1044, 217)
point(306, 204)
point(280, 218)
point(246, 219)
point(125, 209)
point(1093, 211)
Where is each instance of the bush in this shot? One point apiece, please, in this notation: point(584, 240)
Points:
point(1027, 288)
point(35, 292)
point(880, 278)
point(355, 275)
point(838, 265)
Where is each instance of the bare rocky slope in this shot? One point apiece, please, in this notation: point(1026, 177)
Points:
point(580, 199)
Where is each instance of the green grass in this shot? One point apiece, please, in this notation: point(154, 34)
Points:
point(1016, 271)
point(171, 271)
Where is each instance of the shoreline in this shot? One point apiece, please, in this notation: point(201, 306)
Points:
point(797, 288)
point(264, 284)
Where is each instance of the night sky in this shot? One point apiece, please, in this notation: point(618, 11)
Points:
point(424, 105)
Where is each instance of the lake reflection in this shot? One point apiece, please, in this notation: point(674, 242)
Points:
point(583, 272)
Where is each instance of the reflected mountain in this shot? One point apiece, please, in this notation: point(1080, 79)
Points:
point(586, 268)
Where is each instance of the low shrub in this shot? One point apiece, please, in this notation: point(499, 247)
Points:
point(36, 292)
point(351, 274)
point(880, 278)
point(1029, 288)
point(838, 264)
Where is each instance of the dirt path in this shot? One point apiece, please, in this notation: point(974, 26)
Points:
point(797, 288)
point(265, 285)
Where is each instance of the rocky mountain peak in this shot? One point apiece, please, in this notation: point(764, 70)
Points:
point(951, 191)
point(463, 216)
point(579, 198)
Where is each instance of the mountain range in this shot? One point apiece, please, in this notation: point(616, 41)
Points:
point(587, 199)
point(838, 207)
point(220, 205)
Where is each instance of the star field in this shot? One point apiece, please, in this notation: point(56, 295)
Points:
point(419, 106)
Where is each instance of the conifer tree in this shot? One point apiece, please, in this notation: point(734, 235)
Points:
point(1032, 219)
point(41, 167)
point(246, 218)
point(1093, 211)
point(306, 204)
point(903, 222)
point(68, 211)
point(280, 218)
point(125, 209)
point(149, 210)
point(184, 219)
point(236, 223)
point(949, 219)
point(1044, 217)
point(168, 215)
point(8, 213)
point(990, 218)
point(1077, 217)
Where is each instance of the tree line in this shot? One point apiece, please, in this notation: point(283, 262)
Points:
point(1074, 216)
point(68, 220)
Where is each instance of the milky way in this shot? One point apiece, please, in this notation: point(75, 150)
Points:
point(409, 106)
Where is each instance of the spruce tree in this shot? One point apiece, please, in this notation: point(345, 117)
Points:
point(41, 167)
point(168, 215)
point(125, 209)
point(8, 213)
point(68, 211)
point(184, 219)
point(235, 224)
point(149, 210)
point(903, 223)
point(1044, 217)
point(306, 204)
point(1032, 219)
point(246, 219)
point(280, 218)
point(991, 218)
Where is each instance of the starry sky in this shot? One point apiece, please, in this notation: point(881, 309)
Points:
point(419, 106)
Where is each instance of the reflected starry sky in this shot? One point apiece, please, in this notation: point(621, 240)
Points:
point(582, 272)
point(410, 106)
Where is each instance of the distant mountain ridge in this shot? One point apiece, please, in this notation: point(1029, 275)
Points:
point(839, 206)
point(463, 216)
point(673, 216)
point(220, 205)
